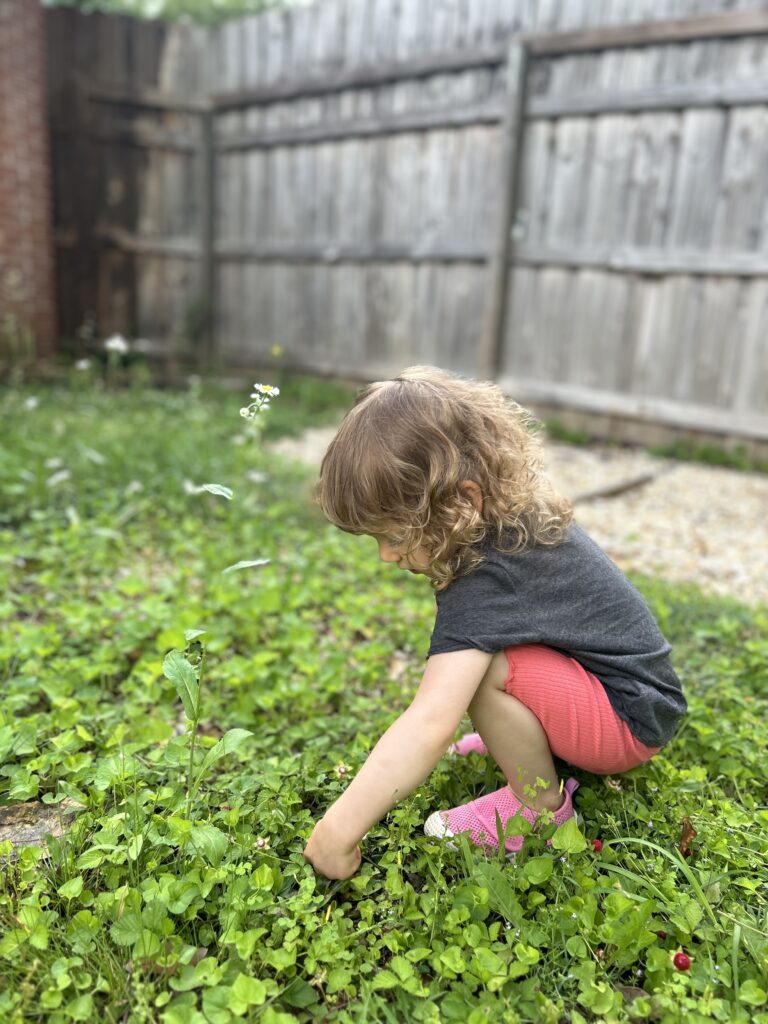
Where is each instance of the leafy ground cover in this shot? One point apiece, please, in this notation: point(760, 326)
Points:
point(179, 894)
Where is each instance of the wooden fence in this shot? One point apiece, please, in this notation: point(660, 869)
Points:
point(578, 209)
point(126, 98)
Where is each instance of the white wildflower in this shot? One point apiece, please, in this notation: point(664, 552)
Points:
point(58, 478)
point(83, 364)
point(116, 343)
point(260, 399)
point(31, 403)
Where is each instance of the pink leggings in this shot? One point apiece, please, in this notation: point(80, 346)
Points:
point(574, 710)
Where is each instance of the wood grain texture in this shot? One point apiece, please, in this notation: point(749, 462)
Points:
point(358, 173)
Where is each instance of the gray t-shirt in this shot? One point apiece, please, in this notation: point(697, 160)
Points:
point(572, 598)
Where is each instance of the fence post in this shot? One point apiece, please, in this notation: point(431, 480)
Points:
point(498, 267)
point(208, 234)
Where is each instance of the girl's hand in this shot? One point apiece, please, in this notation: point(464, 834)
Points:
point(328, 856)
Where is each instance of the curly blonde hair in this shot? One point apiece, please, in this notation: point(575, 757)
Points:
point(396, 465)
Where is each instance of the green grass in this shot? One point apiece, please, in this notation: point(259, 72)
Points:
point(683, 449)
point(711, 454)
point(109, 553)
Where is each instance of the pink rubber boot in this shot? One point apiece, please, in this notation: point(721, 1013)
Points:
point(478, 817)
point(469, 744)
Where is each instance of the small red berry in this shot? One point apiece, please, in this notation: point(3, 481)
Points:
point(682, 961)
point(662, 935)
point(597, 845)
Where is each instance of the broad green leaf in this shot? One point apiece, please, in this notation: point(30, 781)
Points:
point(247, 564)
point(127, 929)
point(134, 847)
point(501, 894)
point(147, 946)
point(228, 743)
point(178, 828)
point(111, 769)
point(23, 785)
point(94, 857)
point(263, 877)
point(179, 895)
point(489, 962)
point(184, 678)
point(246, 992)
point(210, 842)
point(750, 992)
point(576, 947)
point(72, 888)
point(80, 1008)
point(384, 979)
point(205, 972)
point(38, 937)
point(299, 993)
point(193, 634)
point(452, 959)
point(216, 1004)
point(568, 838)
point(526, 954)
point(538, 869)
point(6, 741)
point(337, 979)
point(219, 489)
point(280, 959)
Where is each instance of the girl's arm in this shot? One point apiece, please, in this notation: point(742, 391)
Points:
point(402, 759)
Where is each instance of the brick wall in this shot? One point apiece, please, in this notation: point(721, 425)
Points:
point(27, 288)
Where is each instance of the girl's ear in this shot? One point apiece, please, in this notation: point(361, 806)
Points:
point(473, 492)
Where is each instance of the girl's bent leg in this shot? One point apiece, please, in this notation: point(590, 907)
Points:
point(570, 705)
point(515, 739)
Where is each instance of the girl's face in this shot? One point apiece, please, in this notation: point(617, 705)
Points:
point(416, 561)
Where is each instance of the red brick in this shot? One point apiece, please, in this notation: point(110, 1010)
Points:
point(27, 279)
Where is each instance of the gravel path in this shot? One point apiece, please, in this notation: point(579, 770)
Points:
point(689, 523)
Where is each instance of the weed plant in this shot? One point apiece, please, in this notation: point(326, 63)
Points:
point(179, 893)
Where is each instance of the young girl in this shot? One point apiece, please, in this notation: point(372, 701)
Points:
point(538, 635)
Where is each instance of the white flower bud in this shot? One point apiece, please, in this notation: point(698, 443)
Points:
point(116, 343)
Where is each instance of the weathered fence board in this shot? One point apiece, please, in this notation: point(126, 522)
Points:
point(347, 200)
